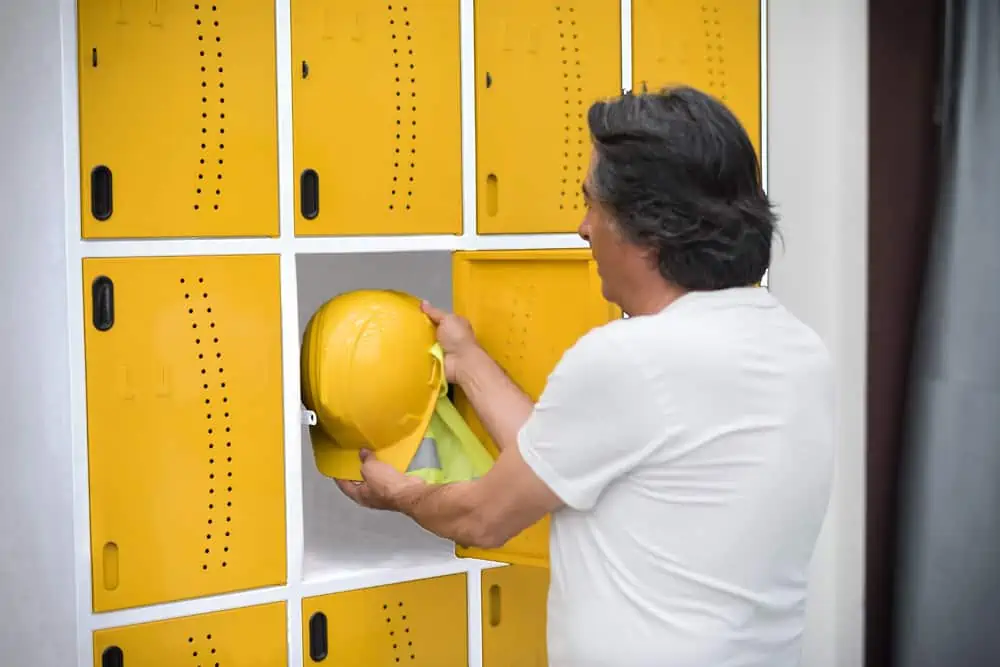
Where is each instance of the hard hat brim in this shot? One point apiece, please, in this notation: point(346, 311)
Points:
point(335, 462)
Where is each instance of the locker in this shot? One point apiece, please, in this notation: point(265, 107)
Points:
point(514, 603)
point(527, 308)
point(184, 426)
point(378, 147)
point(422, 623)
point(243, 637)
point(540, 64)
point(712, 46)
point(178, 129)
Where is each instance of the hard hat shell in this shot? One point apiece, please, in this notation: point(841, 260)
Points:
point(369, 375)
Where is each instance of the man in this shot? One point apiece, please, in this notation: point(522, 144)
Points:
point(685, 452)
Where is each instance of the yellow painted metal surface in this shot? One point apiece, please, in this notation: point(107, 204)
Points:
point(422, 623)
point(527, 308)
point(244, 637)
point(713, 46)
point(377, 116)
point(540, 64)
point(178, 100)
point(514, 616)
point(185, 435)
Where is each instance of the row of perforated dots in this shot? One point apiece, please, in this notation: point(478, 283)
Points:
point(392, 635)
point(714, 54)
point(215, 393)
point(574, 128)
point(212, 119)
point(211, 652)
point(405, 76)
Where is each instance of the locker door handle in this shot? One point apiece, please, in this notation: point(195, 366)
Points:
point(103, 306)
point(309, 193)
point(494, 606)
point(317, 637)
point(112, 657)
point(101, 196)
point(492, 195)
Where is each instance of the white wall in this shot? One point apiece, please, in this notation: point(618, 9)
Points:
point(37, 590)
point(818, 176)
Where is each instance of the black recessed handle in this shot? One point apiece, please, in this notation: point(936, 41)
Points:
point(489, 80)
point(101, 197)
point(305, 70)
point(112, 657)
point(317, 637)
point(309, 193)
point(103, 295)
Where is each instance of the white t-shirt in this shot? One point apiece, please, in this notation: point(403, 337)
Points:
point(694, 451)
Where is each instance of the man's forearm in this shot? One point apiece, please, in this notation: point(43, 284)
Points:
point(501, 405)
point(451, 511)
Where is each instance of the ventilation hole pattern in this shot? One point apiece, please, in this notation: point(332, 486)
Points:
point(203, 653)
point(519, 315)
point(404, 72)
point(208, 189)
point(715, 58)
point(215, 397)
point(574, 128)
point(399, 633)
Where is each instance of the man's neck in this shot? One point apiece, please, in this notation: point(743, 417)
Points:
point(652, 299)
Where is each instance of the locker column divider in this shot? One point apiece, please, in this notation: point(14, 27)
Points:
point(467, 37)
point(763, 107)
point(77, 365)
point(626, 25)
point(289, 335)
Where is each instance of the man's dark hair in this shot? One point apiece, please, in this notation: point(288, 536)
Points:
point(679, 174)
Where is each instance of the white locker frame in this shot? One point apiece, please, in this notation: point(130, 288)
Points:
point(288, 247)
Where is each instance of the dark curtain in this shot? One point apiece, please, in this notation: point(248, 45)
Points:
point(904, 52)
point(947, 597)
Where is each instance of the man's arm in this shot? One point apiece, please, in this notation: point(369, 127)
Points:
point(486, 512)
point(501, 405)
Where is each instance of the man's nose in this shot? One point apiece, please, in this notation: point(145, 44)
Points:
point(584, 230)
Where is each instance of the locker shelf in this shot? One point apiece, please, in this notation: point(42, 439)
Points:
point(540, 64)
point(385, 157)
point(713, 46)
point(342, 539)
point(241, 637)
point(185, 444)
point(178, 119)
point(418, 623)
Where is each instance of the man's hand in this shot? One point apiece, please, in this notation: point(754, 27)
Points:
point(383, 487)
point(455, 335)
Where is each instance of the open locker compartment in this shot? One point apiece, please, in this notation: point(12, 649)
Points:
point(342, 539)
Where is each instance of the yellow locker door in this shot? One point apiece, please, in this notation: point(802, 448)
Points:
point(244, 637)
point(713, 46)
point(527, 308)
point(377, 117)
point(540, 64)
point(420, 623)
point(184, 420)
point(178, 131)
point(514, 616)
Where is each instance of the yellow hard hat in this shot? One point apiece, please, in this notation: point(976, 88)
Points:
point(369, 374)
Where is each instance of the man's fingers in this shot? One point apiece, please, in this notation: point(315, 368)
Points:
point(435, 314)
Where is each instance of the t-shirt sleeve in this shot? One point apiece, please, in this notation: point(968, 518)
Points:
point(596, 420)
